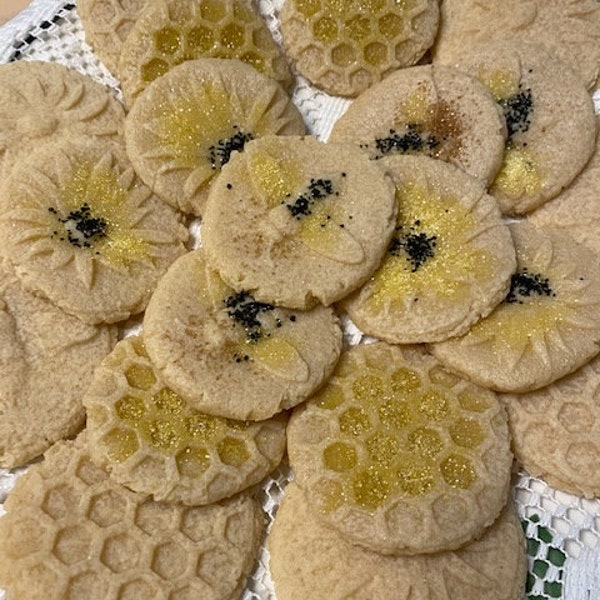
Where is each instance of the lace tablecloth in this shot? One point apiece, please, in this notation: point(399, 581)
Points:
point(563, 531)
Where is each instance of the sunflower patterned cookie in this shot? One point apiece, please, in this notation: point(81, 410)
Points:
point(170, 32)
point(153, 441)
point(546, 327)
point(83, 231)
point(186, 125)
point(400, 456)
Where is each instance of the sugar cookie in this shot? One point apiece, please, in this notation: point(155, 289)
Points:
point(546, 327)
point(294, 221)
point(83, 231)
point(345, 47)
point(449, 263)
point(152, 441)
point(185, 126)
point(399, 455)
point(228, 354)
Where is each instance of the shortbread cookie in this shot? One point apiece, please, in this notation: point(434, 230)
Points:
point(576, 210)
point(436, 111)
point(107, 24)
point(46, 363)
point(154, 442)
point(345, 47)
point(547, 107)
point(449, 263)
point(399, 455)
point(83, 231)
point(186, 125)
point(569, 29)
point(170, 32)
point(295, 221)
point(546, 327)
point(310, 560)
point(556, 431)
point(71, 532)
point(41, 100)
point(228, 354)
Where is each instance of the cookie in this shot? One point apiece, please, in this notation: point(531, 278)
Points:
point(47, 359)
point(228, 354)
point(570, 30)
point(71, 532)
point(436, 111)
point(556, 431)
point(41, 101)
point(185, 126)
point(170, 32)
point(310, 560)
point(152, 441)
point(296, 222)
point(345, 47)
point(400, 456)
point(545, 328)
point(550, 121)
point(449, 263)
point(107, 24)
point(84, 232)
point(576, 210)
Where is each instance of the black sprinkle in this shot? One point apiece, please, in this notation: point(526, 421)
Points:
point(243, 309)
point(411, 141)
point(317, 190)
point(220, 153)
point(517, 112)
point(525, 285)
point(418, 247)
point(82, 228)
point(229, 186)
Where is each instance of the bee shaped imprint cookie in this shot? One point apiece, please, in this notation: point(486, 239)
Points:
point(82, 230)
point(153, 441)
point(295, 222)
point(400, 456)
point(230, 355)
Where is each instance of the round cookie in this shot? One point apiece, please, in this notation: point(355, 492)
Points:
point(229, 355)
point(71, 532)
point(170, 32)
point(47, 359)
point(449, 263)
point(400, 456)
point(436, 111)
point(550, 121)
point(570, 30)
point(296, 222)
point(311, 560)
point(576, 210)
point(556, 431)
point(83, 231)
point(546, 327)
point(42, 100)
point(152, 441)
point(345, 47)
point(107, 24)
point(185, 126)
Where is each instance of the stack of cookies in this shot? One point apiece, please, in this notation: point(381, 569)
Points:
point(176, 273)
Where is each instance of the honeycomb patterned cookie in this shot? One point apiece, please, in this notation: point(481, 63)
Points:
point(185, 126)
point(435, 111)
point(345, 46)
point(83, 231)
point(449, 262)
point(545, 328)
point(253, 359)
point(47, 359)
point(311, 560)
point(399, 455)
point(152, 441)
point(556, 431)
point(298, 222)
point(40, 101)
point(71, 532)
point(107, 23)
point(173, 31)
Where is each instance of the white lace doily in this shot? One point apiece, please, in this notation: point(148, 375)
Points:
point(563, 531)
